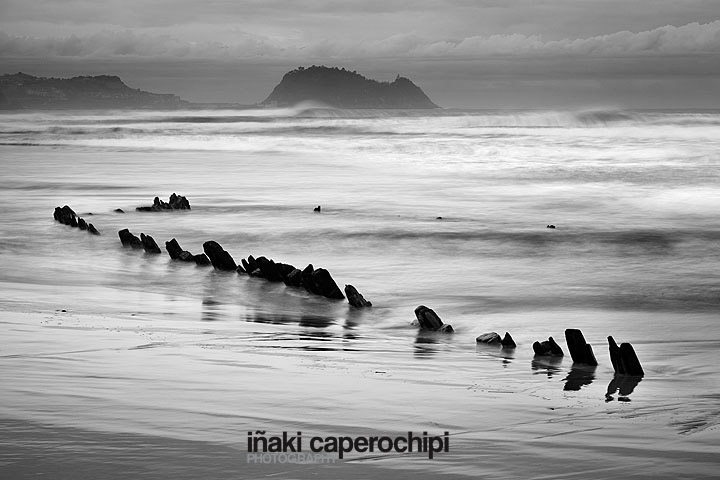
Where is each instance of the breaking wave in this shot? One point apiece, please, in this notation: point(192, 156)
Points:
point(232, 129)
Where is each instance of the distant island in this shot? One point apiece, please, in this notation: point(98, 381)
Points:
point(342, 88)
point(335, 87)
point(23, 91)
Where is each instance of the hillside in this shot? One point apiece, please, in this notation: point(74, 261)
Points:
point(23, 91)
point(345, 89)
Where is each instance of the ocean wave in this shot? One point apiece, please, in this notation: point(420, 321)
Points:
point(35, 186)
point(590, 118)
point(642, 240)
point(234, 129)
point(312, 110)
point(207, 119)
point(489, 118)
point(93, 130)
point(639, 118)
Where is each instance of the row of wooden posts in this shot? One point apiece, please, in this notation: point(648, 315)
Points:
point(623, 358)
point(320, 282)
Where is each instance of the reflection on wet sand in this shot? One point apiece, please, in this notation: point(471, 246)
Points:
point(312, 337)
point(624, 385)
point(349, 336)
point(579, 376)
point(546, 364)
point(507, 354)
point(495, 350)
point(313, 321)
point(354, 317)
point(428, 343)
point(211, 310)
point(425, 344)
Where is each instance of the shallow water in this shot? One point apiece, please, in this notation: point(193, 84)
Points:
point(158, 349)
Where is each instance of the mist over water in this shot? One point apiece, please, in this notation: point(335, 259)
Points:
point(635, 254)
point(634, 195)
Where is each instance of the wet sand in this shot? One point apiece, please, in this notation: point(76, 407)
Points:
point(30, 450)
point(93, 397)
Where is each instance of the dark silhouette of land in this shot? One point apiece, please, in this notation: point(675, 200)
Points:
point(334, 87)
point(23, 91)
point(342, 88)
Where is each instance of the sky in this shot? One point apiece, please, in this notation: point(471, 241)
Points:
point(462, 53)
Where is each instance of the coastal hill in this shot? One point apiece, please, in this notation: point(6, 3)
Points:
point(23, 91)
point(342, 88)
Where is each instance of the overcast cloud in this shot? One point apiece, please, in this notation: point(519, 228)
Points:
point(690, 39)
point(482, 47)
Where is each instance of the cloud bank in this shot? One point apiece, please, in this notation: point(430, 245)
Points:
point(693, 38)
point(689, 39)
